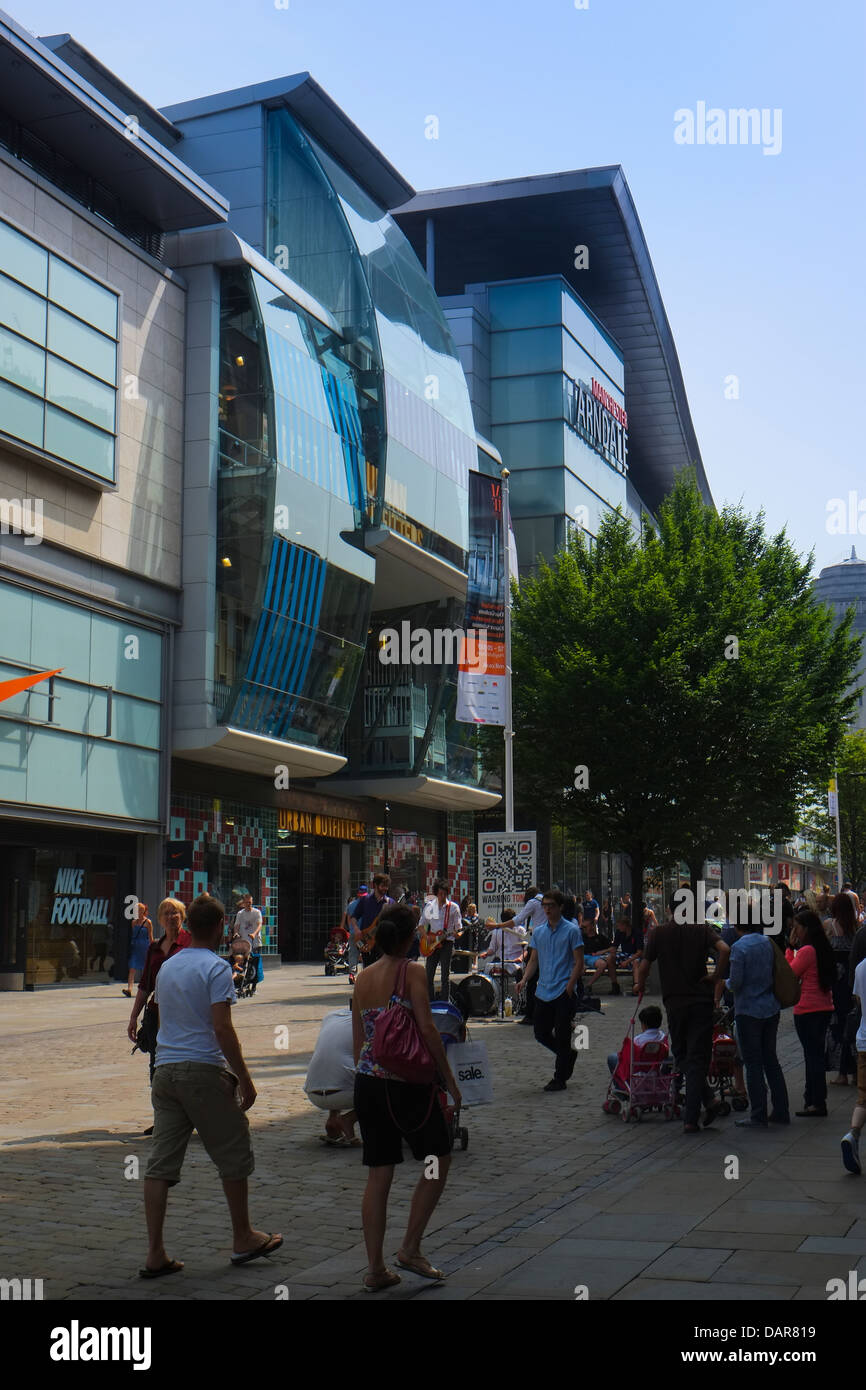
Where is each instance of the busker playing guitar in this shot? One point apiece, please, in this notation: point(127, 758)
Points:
point(442, 923)
point(363, 926)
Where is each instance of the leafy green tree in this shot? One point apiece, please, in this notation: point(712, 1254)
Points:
point(690, 672)
point(851, 762)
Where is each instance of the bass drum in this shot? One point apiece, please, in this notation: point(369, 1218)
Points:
point(475, 996)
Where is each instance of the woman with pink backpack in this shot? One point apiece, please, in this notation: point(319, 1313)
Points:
point(398, 1056)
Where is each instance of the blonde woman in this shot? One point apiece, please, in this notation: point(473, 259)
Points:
point(171, 915)
point(141, 939)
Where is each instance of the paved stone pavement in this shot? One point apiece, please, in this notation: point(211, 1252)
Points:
point(551, 1194)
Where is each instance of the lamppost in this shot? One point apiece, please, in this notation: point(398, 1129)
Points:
point(385, 867)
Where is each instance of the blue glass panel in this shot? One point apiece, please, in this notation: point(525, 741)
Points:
point(518, 398)
point(23, 259)
point(79, 443)
point(20, 415)
point(123, 782)
point(79, 393)
point(82, 296)
point(13, 762)
point(18, 704)
point(61, 637)
point(82, 345)
point(16, 605)
point(527, 304)
point(538, 491)
point(57, 770)
point(521, 351)
point(22, 310)
point(522, 445)
point(595, 471)
point(21, 362)
point(132, 721)
point(534, 537)
point(132, 667)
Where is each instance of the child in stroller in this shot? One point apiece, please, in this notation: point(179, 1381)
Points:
point(642, 1073)
point(449, 1021)
point(245, 967)
point(337, 953)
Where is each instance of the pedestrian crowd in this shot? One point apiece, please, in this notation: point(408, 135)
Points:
point(382, 1065)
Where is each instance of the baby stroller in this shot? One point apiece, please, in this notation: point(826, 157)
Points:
point(449, 1021)
point(337, 958)
point(720, 1077)
point(245, 974)
point(643, 1079)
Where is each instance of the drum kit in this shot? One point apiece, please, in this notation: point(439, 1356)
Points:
point(477, 995)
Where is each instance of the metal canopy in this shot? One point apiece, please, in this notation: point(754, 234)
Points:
point(520, 228)
point(71, 116)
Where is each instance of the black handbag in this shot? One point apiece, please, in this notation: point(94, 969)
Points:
point(148, 1028)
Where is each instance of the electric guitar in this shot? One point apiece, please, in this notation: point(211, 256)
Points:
point(431, 941)
point(367, 937)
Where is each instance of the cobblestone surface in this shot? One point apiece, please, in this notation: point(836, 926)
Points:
point(551, 1195)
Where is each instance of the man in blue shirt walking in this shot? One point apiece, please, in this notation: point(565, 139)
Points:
point(557, 958)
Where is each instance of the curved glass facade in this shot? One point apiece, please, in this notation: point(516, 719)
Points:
point(294, 587)
point(404, 721)
point(351, 255)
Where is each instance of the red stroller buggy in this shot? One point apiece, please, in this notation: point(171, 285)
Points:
point(643, 1079)
point(721, 1076)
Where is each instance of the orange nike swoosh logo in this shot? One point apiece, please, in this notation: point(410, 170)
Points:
point(14, 687)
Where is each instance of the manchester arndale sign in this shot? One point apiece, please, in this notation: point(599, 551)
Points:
point(601, 421)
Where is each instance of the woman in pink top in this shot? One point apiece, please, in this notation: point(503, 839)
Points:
point(813, 962)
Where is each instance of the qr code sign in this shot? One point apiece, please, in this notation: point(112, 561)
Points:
point(506, 866)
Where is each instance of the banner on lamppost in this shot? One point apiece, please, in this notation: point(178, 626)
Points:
point(833, 798)
point(481, 684)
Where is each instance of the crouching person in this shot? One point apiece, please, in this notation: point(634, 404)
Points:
point(200, 1082)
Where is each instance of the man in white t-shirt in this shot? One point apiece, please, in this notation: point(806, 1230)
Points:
point(330, 1082)
point(851, 1141)
point(441, 920)
point(248, 923)
point(200, 1082)
point(504, 942)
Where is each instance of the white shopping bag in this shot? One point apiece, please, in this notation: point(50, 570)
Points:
point(471, 1067)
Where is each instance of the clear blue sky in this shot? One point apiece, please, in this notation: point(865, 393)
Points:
point(759, 257)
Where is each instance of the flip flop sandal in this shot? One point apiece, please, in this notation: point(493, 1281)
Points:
point(334, 1143)
point(380, 1281)
point(266, 1248)
point(421, 1266)
point(173, 1267)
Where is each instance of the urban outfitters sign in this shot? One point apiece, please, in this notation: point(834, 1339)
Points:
point(601, 421)
point(334, 827)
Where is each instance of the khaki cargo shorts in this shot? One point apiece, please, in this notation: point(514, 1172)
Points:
point(194, 1095)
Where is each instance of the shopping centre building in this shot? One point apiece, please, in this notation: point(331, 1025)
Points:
point(242, 403)
point(549, 291)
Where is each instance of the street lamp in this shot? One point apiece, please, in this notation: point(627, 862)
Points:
point(385, 867)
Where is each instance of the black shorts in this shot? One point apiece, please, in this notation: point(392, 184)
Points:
point(390, 1111)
